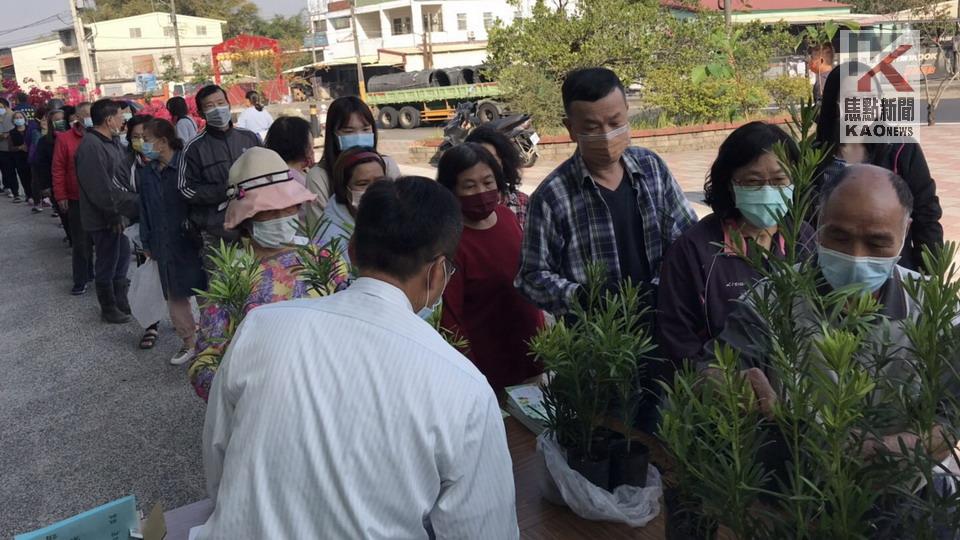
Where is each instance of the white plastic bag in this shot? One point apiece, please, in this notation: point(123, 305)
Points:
point(632, 505)
point(133, 234)
point(146, 294)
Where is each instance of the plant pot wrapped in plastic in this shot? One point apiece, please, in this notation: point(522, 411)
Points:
point(631, 505)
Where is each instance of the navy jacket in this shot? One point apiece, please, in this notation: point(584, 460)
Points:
point(162, 213)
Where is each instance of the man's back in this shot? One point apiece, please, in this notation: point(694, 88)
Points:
point(349, 417)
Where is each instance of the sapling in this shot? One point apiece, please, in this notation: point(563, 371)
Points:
point(236, 271)
point(320, 265)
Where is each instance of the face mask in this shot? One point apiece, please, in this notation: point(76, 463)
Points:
point(356, 195)
point(218, 117)
point(60, 125)
point(148, 150)
point(88, 122)
point(2, 111)
point(123, 141)
point(127, 116)
point(137, 145)
point(19, 122)
point(355, 139)
point(479, 205)
point(842, 270)
point(275, 233)
point(428, 310)
point(606, 147)
point(761, 207)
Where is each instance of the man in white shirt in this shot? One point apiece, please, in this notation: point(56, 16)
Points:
point(349, 416)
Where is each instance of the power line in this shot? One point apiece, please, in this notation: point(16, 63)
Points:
point(41, 21)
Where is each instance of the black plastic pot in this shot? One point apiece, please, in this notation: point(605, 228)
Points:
point(684, 521)
point(594, 469)
point(628, 468)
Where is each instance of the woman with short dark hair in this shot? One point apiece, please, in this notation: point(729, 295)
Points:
point(349, 124)
point(480, 303)
point(703, 272)
point(162, 213)
point(290, 136)
point(180, 116)
point(506, 154)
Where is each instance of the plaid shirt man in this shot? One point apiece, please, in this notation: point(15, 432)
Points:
point(569, 226)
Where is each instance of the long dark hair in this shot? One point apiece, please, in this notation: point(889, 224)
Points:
point(254, 98)
point(132, 123)
point(506, 151)
point(163, 129)
point(828, 123)
point(463, 157)
point(337, 115)
point(343, 172)
point(177, 107)
point(51, 130)
point(742, 147)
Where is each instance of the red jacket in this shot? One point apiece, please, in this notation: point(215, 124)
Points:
point(64, 169)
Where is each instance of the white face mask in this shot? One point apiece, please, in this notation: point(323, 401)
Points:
point(275, 233)
point(428, 310)
point(356, 195)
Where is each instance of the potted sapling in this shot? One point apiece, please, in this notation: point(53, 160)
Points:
point(630, 342)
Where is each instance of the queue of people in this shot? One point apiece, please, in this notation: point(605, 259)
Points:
point(392, 432)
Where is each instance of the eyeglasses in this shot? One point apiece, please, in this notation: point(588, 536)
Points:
point(758, 183)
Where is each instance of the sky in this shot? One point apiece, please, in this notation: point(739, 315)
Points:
point(49, 9)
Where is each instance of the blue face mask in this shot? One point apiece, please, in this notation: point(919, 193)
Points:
point(842, 270)
point(88, 122)
point(355, 139)
point(19, 122)
point(148, 151)
point(761, 207)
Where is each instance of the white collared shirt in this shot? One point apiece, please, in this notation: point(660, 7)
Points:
point(350, 417)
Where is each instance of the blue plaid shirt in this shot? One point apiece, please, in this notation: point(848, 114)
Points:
point(569, 226)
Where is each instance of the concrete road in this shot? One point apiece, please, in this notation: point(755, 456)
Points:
point(85, 416)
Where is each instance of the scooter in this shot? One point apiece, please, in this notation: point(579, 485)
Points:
point(517, 129)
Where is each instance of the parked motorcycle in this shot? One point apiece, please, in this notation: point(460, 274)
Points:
point(517, 129)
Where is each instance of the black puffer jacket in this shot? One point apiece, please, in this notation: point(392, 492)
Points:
point(204, 168)
point(908, 161)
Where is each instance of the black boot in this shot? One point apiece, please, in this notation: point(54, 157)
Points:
point(108, 305)
point(120, 288)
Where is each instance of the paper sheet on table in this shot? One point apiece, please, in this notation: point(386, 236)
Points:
point(194, 532)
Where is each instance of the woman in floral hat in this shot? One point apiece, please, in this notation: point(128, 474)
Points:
point(263, 203)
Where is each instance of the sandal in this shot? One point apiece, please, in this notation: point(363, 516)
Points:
point(149, 338)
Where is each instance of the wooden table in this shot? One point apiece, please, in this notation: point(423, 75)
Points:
point(538, 519)
point(541, 520)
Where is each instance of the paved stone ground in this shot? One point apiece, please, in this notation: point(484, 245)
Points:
point(86, 417)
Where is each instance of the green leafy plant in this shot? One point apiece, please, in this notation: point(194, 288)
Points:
point(592, 357)
point(320, 266)
point(236, 271)
point(788, 91)
point(857, 422)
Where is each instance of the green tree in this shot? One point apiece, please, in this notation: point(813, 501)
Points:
point(619, 34)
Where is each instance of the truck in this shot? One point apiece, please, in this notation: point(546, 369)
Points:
point(410, 108)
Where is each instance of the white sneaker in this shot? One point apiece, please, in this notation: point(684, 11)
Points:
point(184, 355)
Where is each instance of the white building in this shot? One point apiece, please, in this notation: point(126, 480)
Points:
point(397, 32)
point(121, 49)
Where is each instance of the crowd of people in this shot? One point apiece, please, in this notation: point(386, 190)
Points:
point(349, 415)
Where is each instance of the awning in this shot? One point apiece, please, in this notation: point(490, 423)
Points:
point(367, 61)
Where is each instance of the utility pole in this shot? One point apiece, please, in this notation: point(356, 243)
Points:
point(176, 35)
point(81, 36)
point(728, 14)
point(361, 85)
